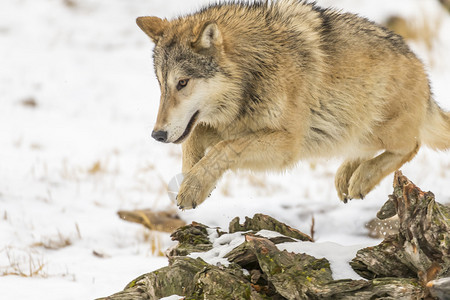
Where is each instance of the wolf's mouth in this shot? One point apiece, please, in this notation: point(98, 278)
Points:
point(188, 129)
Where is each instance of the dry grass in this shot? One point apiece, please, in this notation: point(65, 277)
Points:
point(24, 263)
point(155, 223)
point(54, 243)
point(69, 172)
point(225, 188)
point(312, 229)
point(258, 181)
point(59, 241)
point(104, 166)
point(96, 168)
point(154, 239)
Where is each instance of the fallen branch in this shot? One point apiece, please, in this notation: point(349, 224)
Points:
point(161, 221)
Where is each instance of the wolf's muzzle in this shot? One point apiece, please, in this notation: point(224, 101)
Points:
point(160, 136)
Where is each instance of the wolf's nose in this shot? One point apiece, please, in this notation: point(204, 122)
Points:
point(160, 136)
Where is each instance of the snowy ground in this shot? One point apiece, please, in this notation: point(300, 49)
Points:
point(84, 151)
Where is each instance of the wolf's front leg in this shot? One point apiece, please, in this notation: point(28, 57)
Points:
point(258, 151)
point(195, 146)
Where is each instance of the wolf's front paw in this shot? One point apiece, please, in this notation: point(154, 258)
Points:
point(193, 191)
point(342, 188)
point(360, 184)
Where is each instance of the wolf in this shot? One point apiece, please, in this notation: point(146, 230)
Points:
point(262, 85)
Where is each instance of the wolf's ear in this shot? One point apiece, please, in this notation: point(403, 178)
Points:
point(152, 26)
point(209, 38)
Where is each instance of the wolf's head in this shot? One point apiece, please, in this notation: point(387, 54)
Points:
point(187, 58)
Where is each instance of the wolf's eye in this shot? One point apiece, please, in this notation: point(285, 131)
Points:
point(182, 83)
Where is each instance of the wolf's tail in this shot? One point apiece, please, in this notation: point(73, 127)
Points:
point(436, 130)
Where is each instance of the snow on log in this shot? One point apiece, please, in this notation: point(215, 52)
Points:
point(249, 262)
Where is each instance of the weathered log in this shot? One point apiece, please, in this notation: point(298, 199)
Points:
point(261, 221)
point(301, 276)
point(176, 279)
point(446, 4)
point(166, 221)
point(191, 238)
point(223, 283)
point(421, 249)
point(403, 266)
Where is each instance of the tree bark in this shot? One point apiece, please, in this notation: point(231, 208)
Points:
point(421, 249)
point(411, 264)
point(261, 221)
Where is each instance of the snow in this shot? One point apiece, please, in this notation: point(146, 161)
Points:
point(268, 234)
point(339, 256)
point(173, 297)
point(84, 151)
point(221, 246)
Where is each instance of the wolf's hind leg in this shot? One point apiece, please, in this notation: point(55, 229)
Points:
point(371, 172)
point(343, 175)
